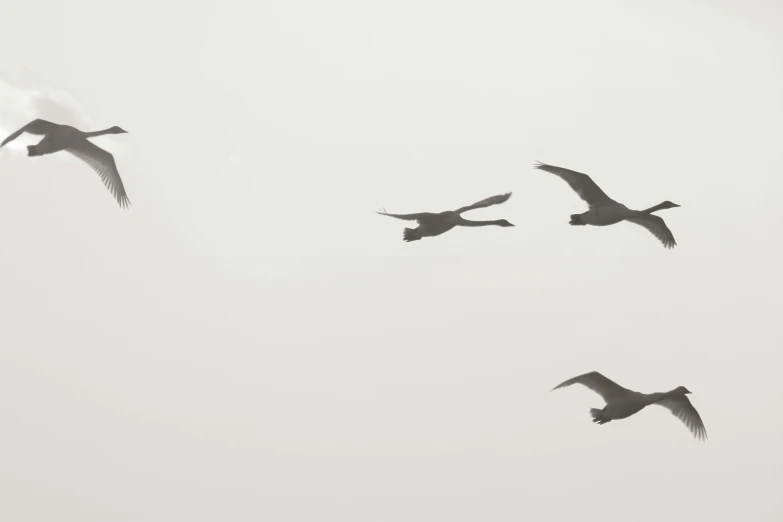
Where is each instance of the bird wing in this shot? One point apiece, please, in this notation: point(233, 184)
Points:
point(488, 202)
point(582, 184)
point(657, 226)
point(38, 127)
point(411, 217)
point(101, 162)
point(606, 388)
point(682, 408)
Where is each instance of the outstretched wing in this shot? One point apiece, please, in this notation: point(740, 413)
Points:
point(101, 162)
point(410, 217)
point(38, 127)
point(494, 200)
point(657, 226)
point(582, 184)
point(606, 388)
point(682, 408)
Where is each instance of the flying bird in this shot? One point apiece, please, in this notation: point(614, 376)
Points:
point(435, 224)
point(58, 137)
point(606, 211)
point(622, 403)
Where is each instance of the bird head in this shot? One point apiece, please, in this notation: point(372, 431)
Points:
point(682, 389)
point(504, 223)
point(668, 204)
point(117, 130)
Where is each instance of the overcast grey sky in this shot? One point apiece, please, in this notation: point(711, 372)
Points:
point(250, 342)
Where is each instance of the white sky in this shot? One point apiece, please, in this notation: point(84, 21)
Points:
point(250, 342)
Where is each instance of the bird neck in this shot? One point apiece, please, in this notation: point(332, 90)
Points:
point(659, 206)
point(98, 133)
point(652, 398)
point(468, 223)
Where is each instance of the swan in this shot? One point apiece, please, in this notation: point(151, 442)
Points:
point(432, 224)
point(622, 403)
point(58, 137)
point(606, 211)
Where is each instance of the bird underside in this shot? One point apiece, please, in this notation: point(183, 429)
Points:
point(427, 229)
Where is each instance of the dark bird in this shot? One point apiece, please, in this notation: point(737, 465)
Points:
point(606, 211)
point(622, 402)
point(435, 224)
point(58, 137)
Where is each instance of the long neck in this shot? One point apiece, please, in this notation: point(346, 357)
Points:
point(659, 206)
point(98, 133)
point(468, 223)
point(652, 398)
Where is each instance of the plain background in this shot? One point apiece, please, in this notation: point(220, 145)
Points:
point(250, 342)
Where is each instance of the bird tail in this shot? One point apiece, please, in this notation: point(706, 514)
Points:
point(411, 234)
point(576, 219)
point(598, 415)
point(32, 150)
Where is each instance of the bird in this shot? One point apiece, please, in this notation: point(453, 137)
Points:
point(435, 224)
point(58, 137)
point(606, 211)
point(622, 402)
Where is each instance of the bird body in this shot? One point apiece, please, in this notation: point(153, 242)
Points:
point(621, 402)
point(624, 408)
point(56, 141)
point(435, 224)
point(605, 215)
point(604, 211)
point(58, 137)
